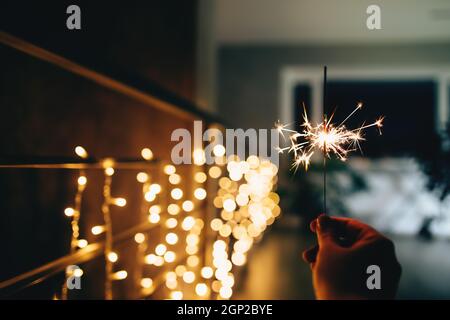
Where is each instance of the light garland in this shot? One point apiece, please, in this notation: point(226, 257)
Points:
point(246, 206)
point(74, 213)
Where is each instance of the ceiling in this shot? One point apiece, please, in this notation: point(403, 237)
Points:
point(330, 21)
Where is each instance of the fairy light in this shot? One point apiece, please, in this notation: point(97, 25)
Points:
point(201, 289)
point(96, 230)
point(174, 178)
point(154, 218)
point(207, 272)
point(149, 196)
point(155, 209)
point(108, 252)
point(188, 206)
point(214, 172)
point(169, 169)
point(188, 223)
point(147, 154)
point(150, 258)
point(120, 275)
point(176, 193)
point(160, 249)
point(146, 283)
point(200, 193)
point(69, 212)
point(189, 277)
point(155, 188)
point(171, 223)
point(82, 180)
point(176, 295)
point(109, 171)
point(199, 157)
point(246, 203)
point(192, 261)
point(74, 214)
point(113, 257)
point(142, 177)
point(120, 202)
point(169, 256)
point(139, 238)
point(173, 209)
point(82, 243)
point(200, 177)
point(180, 270)
point(78, 272)
point(171, 238)
point(81, 152)
point(219, 150)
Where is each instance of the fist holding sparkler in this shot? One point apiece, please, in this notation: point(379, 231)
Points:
point(340, 261)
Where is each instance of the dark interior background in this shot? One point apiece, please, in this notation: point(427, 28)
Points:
point(47, 111)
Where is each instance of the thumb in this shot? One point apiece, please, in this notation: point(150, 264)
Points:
point(325, 231)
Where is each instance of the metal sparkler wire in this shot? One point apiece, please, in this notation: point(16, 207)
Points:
point(324, 111)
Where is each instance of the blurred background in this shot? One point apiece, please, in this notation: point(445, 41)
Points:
point(243, 64)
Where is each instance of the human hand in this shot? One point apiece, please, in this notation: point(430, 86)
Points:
point(346, 247)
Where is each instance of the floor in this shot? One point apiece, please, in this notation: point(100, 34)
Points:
point(275, 269)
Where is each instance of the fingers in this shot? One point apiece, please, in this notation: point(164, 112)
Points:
point(342, 231)
point(310, 254)
point(324, 231)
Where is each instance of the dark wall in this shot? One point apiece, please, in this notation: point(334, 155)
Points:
point(153, 40)
point(47, 111)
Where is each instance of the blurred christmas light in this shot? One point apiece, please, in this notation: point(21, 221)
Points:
point(81, 152)
point(147, 154)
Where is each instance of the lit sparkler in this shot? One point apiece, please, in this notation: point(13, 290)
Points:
point(326, 137)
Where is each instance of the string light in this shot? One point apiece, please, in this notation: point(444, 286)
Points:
point(113, 257)
point(81, 152)
point(200, 177)
point(219, 150)
point(176, 193)
point(139, 238)
point(176, 295)
point(74, 213)
point(246, 206)
point(200, 194)
point(147, 154)
point(146, 283)
point(171, 223)
point(96, 230)
point(207, 272)
point(82, 243)
point(120, 275)
point(142, 177)
point(69, 212)
point(188, 206)
point(169, 169)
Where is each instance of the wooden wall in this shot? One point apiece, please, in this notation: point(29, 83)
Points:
point(46, 111)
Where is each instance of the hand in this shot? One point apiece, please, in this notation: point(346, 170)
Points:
point(346, 247)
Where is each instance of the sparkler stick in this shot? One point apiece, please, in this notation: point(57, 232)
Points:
point(325, 137)
point(324, 111)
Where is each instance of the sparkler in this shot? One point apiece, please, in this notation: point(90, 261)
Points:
point(327, 137)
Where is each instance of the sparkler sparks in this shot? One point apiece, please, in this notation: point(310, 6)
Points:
point(326, 137)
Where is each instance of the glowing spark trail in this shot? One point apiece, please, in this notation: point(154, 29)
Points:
point(325, 137)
